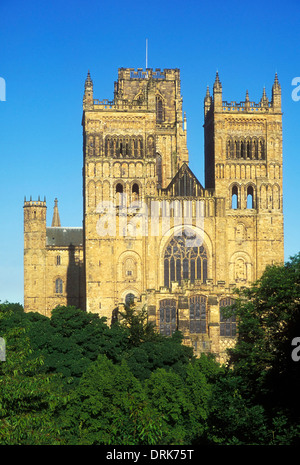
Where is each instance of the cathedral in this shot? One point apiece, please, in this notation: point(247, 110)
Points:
point(151, 233)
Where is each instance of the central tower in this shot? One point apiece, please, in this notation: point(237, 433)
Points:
point(133, 146)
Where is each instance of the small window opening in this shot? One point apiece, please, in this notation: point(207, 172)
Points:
point(159, 110)
point(135, 189)
point(119, 188)
point(250, 199)
point(234, 198)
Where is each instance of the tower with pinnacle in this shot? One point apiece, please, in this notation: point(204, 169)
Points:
point(243, 164)
point(152, 234)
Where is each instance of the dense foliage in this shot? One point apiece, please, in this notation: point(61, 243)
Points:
point(71, 379)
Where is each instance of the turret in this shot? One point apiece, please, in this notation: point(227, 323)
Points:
point(276, 94)
point(217, 93)
point(88, 98)
point(207, 102)
point(35, 223)
point(247, 101)
point(34, 254)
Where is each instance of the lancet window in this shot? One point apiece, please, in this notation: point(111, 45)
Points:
point(227, 323)
point(198, 314)
point(250, 148)
point(167, 316)
point(124, 147)
point(58, 286)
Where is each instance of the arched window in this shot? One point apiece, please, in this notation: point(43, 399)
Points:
point(237, 149)
point(135, 191)
point(106, 146)
point(159, 110)
point(168, 316)
point(129, 299)
point(255, 149)
point(140, 148)
point(58, 286)
point(198, 318)
point(262, 150)
point(234, 197)
point(119, 195)
point(185, 258)
point(228, 149)
point(227, 325)
point(249, 151)
point(242, 149)
point(119, 188)
point(250, 197)
point(135, 147)
point(159, 170)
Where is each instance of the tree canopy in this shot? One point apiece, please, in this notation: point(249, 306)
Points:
point(72, 379)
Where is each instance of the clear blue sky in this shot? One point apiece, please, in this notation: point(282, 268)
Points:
point(46, 49)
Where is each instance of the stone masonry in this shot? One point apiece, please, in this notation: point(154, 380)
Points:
point(151, 232)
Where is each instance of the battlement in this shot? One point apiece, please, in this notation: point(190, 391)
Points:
point(35, 203)
point(246, 106)
point(139, 73)
point(119, 105)
point(215, 102)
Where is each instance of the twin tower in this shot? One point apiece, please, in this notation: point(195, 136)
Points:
point(152, 234)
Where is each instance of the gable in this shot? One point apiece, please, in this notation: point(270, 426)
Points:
point(184, 184)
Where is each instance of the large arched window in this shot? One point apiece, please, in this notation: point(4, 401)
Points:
point(227, 325)
point(185, 258)
point(198, 318)
point(167, 316)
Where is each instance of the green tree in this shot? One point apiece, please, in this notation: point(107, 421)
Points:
point(182, 402)
point(233, 419)
point(163, 352)
point(28, 396)
point(268, 316)
point(109, 407)
point(69, 340)
point(136, 323)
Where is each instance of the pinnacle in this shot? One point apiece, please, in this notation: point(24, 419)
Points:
point(276, 81)
point(55, 219)
point(217, 83)
point(88, 78)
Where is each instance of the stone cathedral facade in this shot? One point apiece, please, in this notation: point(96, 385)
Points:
point(152, 234)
